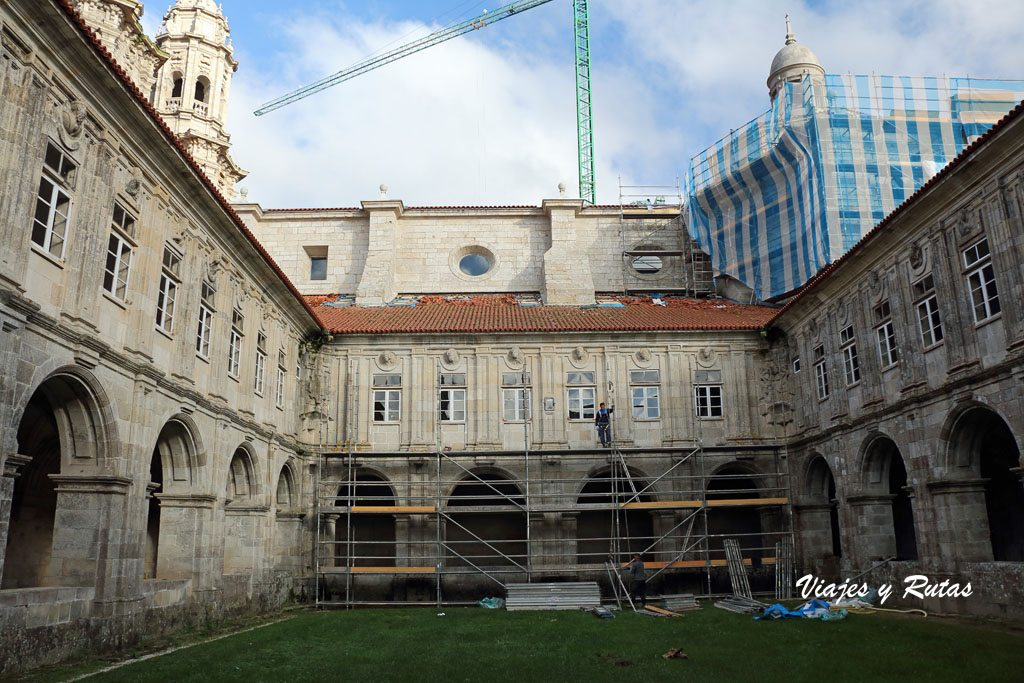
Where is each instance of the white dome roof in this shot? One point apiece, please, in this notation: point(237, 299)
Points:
point(793, 59)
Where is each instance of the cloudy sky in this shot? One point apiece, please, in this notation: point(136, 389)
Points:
point(489, 117)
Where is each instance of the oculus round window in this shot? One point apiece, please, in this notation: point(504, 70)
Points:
point(474, 264)
point(647, 265)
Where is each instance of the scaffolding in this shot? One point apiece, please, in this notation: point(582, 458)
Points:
point(456, 516)
point(655, 242)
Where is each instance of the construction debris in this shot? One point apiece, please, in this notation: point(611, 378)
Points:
point(674, 653)
point(679, 603)
point(549, 596)
point(784, 568)
point(741, 605)
point(602, 613)
point(661, 612)
point(737, 572)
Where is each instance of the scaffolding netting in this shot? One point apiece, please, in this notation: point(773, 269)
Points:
point(789, 192)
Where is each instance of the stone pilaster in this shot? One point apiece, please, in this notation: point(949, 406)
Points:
point(567, 276)
point(13, 464)
point(377, 284)
point(961, 520)
point(875, 538)
point(186, 534)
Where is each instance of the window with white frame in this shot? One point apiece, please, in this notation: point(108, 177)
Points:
point(821, 372)
point(119, 253)
point(928, 319)
point(981, 279)
point(888, 352)
point(796, 365)
point(644, 385)
point(279, 393)
point(515, 396)
point(53, 202)
point(387, 398)
point(261, 363)
point(206, 311)
point(235, 345)
point(452, 397)
point(708, 400)
point(170, 278)
point(580, 398)
point(848, 347)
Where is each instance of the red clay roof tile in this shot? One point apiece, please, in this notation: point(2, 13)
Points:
point(501, 313)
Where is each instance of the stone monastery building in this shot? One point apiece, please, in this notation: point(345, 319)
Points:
point(212, 408)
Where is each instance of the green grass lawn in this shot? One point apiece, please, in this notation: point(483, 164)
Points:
point(473, 644)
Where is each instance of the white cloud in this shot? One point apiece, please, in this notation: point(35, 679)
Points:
point(484, 120)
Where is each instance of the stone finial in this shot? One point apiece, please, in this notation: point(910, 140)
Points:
point(561, 189)
point(383, 191)
point(245, 193)
point(790, 38)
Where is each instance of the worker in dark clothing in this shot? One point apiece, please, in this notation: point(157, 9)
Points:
point(604, 425)
point(639, 586)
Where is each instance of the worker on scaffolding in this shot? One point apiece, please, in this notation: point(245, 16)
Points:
point(638, 587)
point(603, 420)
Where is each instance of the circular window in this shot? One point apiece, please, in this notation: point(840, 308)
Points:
point(647, 265)
point(474, 264)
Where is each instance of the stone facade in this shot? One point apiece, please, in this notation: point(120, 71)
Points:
point(919, 454)
point(116, 23)
point(142, 468)
point(164, 387)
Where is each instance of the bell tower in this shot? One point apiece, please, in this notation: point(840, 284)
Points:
point(193, 86)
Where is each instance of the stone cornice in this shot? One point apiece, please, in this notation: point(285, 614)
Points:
point(194, 500)
point(940, 486)
point(91, 483)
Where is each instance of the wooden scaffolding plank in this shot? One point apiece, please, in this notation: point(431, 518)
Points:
point(726, 502)
point(378, 570)
point(385, 509)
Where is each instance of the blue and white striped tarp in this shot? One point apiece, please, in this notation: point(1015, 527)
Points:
point(789, 192)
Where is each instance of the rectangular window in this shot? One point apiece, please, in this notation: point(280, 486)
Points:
point(387, 403)
point(796, 365)
point(453, 405)
point(205, 329)
point(581, 404)
point(981, 279)
point(928, 319)
point(821, 373)
point(708, 400)
point(261, 362)
point(279, 393)
point(580, 378)
point(119, 253)
point(169, 279)
point(318, 268)
point(515, 396)
point(235, 347)
point(387, 380)
point(53, 202)
point(851, 363)
point(646, 404)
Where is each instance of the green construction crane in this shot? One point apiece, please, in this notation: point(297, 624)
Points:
point(584, 119)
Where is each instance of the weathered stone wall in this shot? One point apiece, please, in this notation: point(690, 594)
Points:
point(938, 404)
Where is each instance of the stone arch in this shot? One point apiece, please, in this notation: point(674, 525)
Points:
point(242, 484)
point(287, 492)
point(65, 430)
point(603, 525)
point(177, 84)
point(982, 447)
point(738, 481)
point(173, 473)
point(819, 515)
point(364, 538)
point(887, 496)
point(493, 538)
point(85, 416)
point(202, 89)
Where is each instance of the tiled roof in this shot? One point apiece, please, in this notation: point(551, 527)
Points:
point(143, 101)
point(501, 313)
point(822, 275)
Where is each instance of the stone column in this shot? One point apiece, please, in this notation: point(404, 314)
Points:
point(186, 528)
point(813, 526)
point(329, 549)
point(12, 466)
point(288, 530)
point(875, 538)
point(961, 520)
point(243, 539)
point(89, 547)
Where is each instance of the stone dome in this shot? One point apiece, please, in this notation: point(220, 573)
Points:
point(793, 60)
